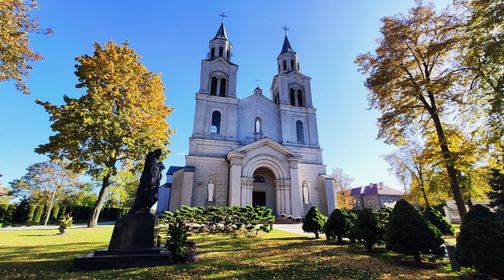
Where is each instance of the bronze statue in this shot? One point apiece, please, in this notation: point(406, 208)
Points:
point(146, 194)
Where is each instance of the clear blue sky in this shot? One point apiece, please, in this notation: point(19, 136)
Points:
point(172, 37)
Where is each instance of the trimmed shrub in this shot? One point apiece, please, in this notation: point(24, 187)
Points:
point(338, 225)
point(434, 217)
point(314, 221)
point(3, 211)
point(481, 241)
point(21, 212)
point(383, 215)
point(55, 211)
point(8, 218)
point(38, 214)
point(31, 213)
point(408, 232)
point(368, 229)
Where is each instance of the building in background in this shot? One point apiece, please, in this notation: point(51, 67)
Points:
point(375, 196)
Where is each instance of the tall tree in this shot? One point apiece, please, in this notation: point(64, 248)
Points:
point(344, 198)
point(414, 79)
point(484, 56)
point(496, 194)
point(121, 117)
point(16, 55)
point(45, 182)
point(407, 161)
point(123, 188)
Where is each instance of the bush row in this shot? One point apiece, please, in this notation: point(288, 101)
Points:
point(33, 214)
point(226, 219)
point(403, 229)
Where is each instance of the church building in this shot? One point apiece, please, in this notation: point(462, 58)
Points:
point(256, 150)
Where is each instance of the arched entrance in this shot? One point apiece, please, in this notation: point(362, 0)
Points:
point(263, 191)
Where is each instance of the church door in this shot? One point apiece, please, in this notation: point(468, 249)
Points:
point(258, 198)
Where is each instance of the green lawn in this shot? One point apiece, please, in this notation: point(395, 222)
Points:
point(42, 254)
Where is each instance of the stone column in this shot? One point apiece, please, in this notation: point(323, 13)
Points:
point(235, 171)
point(282, 196)
point(295, 189)
point(246, 191)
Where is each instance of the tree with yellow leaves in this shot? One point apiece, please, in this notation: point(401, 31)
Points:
point(16, 55)
point(120, 118)
point(415, 79)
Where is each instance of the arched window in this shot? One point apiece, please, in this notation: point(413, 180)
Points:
point(300, 132)
point(276, 99)
point(284, 64)
point(228, 55)
point(298, 66)
point(300, 98)
point(259, 179)
point(258, 125)
point(292, 97)
point(212, 52)
point(213, 86)
point(216, 122)
point(222, 91)
point(221, 51)
point(292, 64)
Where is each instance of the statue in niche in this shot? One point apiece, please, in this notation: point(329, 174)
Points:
point(258, 125)
point(306, 193)
point(211, 189)
point(146, 194)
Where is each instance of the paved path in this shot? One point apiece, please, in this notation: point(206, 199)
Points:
point(110, 223)
point(294, 228)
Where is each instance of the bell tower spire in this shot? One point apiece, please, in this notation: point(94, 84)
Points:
point(220, 45)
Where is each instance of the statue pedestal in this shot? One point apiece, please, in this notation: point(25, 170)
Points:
point(134, 231)
point(131, 245)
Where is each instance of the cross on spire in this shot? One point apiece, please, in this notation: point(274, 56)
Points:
point(285, 28)
point(257, 82)
point(223, 15)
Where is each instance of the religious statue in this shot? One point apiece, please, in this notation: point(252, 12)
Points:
point(258, 125)
point(306, 193)
point(146, 194)
point(211, 188)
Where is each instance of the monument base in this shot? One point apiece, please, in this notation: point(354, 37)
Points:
point(131, 245)
point(106, 259)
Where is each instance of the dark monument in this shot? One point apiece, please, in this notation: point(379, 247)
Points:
point(133, 239)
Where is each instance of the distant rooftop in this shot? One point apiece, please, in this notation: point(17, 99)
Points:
point(375, 189)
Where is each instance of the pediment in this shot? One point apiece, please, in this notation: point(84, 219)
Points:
point(258, 101)
point(270, 143)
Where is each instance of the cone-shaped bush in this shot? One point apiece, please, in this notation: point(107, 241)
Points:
point(337, 225)
point(438, 220)
point(481, 241)
point(408, 232)
point(314, 221)
point(38, 214)
point(368, 229)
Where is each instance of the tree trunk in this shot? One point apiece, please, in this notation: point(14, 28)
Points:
point(93, 219)
point(340, 239)
point(50, 206)
point(450, 166)
point(417, 257)
point(316, 234)
point(425, 196)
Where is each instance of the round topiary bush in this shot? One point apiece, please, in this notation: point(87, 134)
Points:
point(314, 221)
point(481, 241)
point(410, 233)
point(436, 218)
point(368, 229)
point(338, 224)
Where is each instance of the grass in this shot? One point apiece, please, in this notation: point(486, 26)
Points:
point(43, 254)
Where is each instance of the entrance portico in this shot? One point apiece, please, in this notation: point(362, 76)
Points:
point(267, 156)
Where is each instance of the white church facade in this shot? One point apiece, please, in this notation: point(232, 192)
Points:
point(254, 151)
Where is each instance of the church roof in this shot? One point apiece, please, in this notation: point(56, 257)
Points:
point(376, 189)
point(221, 33)
point(286, 48)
